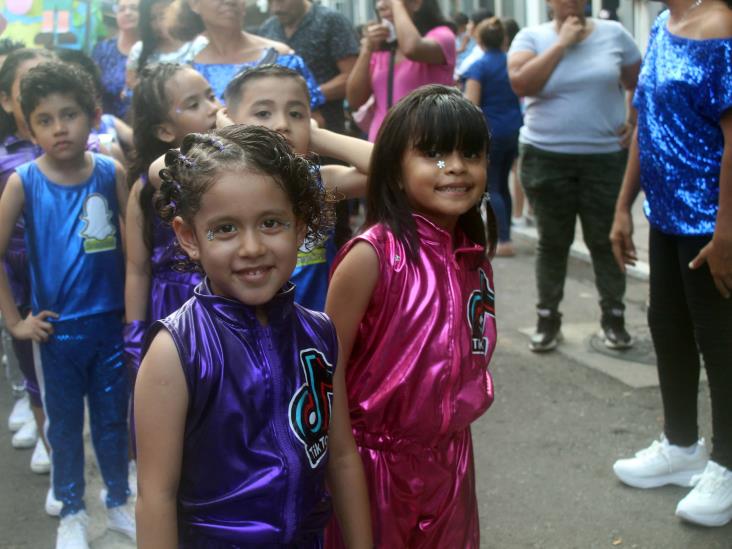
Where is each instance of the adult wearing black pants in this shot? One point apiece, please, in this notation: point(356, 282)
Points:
point(487, 85)
point(681, 156)
point(576, 74)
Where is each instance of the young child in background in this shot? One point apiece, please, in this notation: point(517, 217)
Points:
point(170, 101)
point(413, 303)
point(18, 148)
point(71, 201)
point(114, 135)
point(277, 97)
point(240, 403)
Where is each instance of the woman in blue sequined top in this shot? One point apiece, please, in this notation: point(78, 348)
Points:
point(231, 50)
point(111, 57)
point(681, 156)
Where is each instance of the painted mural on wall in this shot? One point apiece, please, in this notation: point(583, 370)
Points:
point(68, 23)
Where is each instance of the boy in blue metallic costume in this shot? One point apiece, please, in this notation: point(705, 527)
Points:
point(71, 201)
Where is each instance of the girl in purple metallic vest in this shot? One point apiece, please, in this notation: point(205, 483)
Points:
point(17, 148)
point(412, 298)
point(169, 102)
point(240, 404)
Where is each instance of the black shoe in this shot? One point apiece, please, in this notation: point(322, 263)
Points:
point(616, 336)
point(548, 332)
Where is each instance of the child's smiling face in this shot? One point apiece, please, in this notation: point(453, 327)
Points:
point(245, 235)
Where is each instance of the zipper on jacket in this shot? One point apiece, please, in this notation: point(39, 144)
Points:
point(282, 432)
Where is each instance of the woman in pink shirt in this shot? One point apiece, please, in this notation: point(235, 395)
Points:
point(413, 45)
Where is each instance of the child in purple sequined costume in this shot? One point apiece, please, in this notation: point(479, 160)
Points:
point(170, 101)
point(241, 413)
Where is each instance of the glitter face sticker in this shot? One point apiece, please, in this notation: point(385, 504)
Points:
point(441, 164)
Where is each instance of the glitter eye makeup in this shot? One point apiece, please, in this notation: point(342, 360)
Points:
point(441, 164)
point(210, 235)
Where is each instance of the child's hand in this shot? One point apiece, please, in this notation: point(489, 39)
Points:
point(222, 119)
point(34, 327)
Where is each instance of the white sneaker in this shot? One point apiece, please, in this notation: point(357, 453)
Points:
point(40, 462)
point(26, 436)
point(71, 532)
point(122, 519)
point(662, 463)
point(53, 506)
point(710, 502)
point(21, 413)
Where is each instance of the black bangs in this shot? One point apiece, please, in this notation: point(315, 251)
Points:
point(441, 124)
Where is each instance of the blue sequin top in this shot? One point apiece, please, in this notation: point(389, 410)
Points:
point(220, 74)
point(684, 88)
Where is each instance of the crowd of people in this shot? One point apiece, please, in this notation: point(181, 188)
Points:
point(172, 227)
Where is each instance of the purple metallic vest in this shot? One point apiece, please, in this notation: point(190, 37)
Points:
point(256, 436)
point(169, 288)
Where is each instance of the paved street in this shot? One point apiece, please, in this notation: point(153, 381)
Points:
point(543, 451)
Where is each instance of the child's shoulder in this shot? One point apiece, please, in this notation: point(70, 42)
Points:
point(380, 243)
point(315, 321)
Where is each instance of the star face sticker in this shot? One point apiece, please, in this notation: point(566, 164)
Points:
point(441, 164)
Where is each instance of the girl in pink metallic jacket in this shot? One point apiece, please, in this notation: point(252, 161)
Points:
point(413, 303)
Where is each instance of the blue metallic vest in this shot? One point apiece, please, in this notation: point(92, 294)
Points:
point(73, 241)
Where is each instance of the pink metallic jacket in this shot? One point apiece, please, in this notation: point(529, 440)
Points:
point(418, 371)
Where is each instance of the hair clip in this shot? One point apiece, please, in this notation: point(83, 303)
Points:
point(217, 143)
point(187, 162)
point(210, 235)
point(441, 164)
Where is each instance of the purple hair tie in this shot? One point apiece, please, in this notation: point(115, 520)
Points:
point(187, 162)
point(217, 144)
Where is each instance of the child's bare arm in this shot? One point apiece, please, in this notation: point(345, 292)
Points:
point(348, 298)
point(121, 188)
point(137, 271)
point(161, 401)
point(349, 293)
point(353, 151)
point(350, 182)
point(31, 327)
point(346, 479)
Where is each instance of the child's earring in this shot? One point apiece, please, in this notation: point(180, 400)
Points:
point(210, 235)
point(441, 164)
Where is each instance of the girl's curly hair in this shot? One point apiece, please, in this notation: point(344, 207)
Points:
point(190, 172)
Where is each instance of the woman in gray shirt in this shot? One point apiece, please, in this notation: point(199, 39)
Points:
point(578, 75)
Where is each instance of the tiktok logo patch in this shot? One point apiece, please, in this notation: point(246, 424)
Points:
point(311, 404)
point(480, 303)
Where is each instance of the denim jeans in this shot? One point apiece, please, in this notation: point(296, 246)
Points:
point(503, 152)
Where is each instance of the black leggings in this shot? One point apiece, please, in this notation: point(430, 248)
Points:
point(687, 316)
